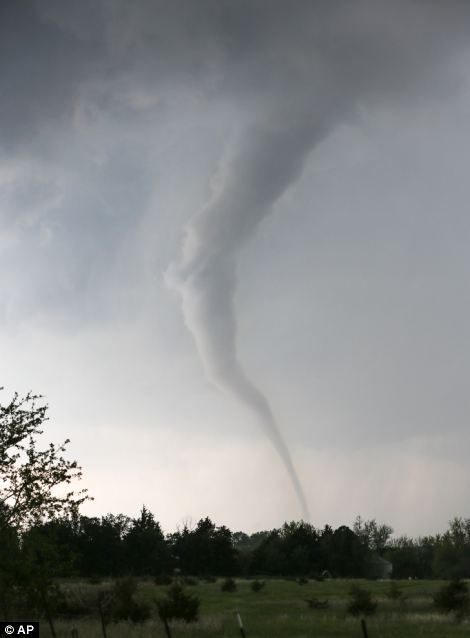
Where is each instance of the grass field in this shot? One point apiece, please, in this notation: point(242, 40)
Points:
point(280, 610)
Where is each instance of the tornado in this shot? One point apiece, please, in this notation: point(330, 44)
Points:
point(302, 75)
point(260, 165)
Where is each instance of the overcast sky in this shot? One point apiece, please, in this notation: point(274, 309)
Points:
point(208, 207)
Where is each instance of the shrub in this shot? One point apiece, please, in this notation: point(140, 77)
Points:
point(302, 580)
point(315, 603)
point(124, 606)
point(125, 588)
point(189, 580)
point(178, 605)
point(257, 585)
point(95, 580)
point(228, 585)
point(361, 603)
point(104, 603)
point(163, 579)
point(395, 593)
point(453, 598)
point(77, 602)
point(38, 594)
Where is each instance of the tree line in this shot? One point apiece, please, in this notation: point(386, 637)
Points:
point(42, 531)
point(117, 545)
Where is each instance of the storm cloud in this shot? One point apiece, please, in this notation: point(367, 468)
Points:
point(94, 94)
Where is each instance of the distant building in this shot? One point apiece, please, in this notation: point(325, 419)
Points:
point(378, 567)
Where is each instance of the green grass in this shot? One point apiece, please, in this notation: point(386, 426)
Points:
point(280, 610)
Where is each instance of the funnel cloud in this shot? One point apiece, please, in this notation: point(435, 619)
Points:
point(310, 92)
point(265, 161)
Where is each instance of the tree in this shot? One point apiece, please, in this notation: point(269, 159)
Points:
point(300, 544)
point(453, 598)
point(144, 545)
point(33, 480)
point(361, 603)
point(124, 605)
point(9, 560)
point(35, 488)
point(403, 552)
point(452, 552)
point(270, 557)
point(395, 594)
point(228, 585)
point(374, 536)
point(100, 545)
point(178, 605)
point(344, 552)
point(205, 550)
point(257, 585)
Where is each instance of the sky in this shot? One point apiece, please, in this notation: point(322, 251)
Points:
point(234, 253)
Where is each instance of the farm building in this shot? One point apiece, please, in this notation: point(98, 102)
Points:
point(378, 567)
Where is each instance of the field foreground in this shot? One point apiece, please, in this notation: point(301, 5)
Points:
point(281, 610)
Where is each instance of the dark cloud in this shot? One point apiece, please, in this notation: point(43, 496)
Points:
point(291, 72)
point(42, 68)
point(52, 52)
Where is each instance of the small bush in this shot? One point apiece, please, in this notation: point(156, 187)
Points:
point(35, 592)
point(302, 580)
point(95, 580)
point(315, 603)
point(361, 603)
point(77, 602)
point(104, 603)
point(124, 606)
point(228, 585)
point(125, 588)
point(453, 598)
point(396, 594)
point(189, 580)
point(163, 579)
point(209, 579)
point(178, 605)
point(257, 585)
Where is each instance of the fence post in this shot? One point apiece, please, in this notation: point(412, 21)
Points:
point(364, 628)
point(102, 618)
point(240, 624)
point(167, 627)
